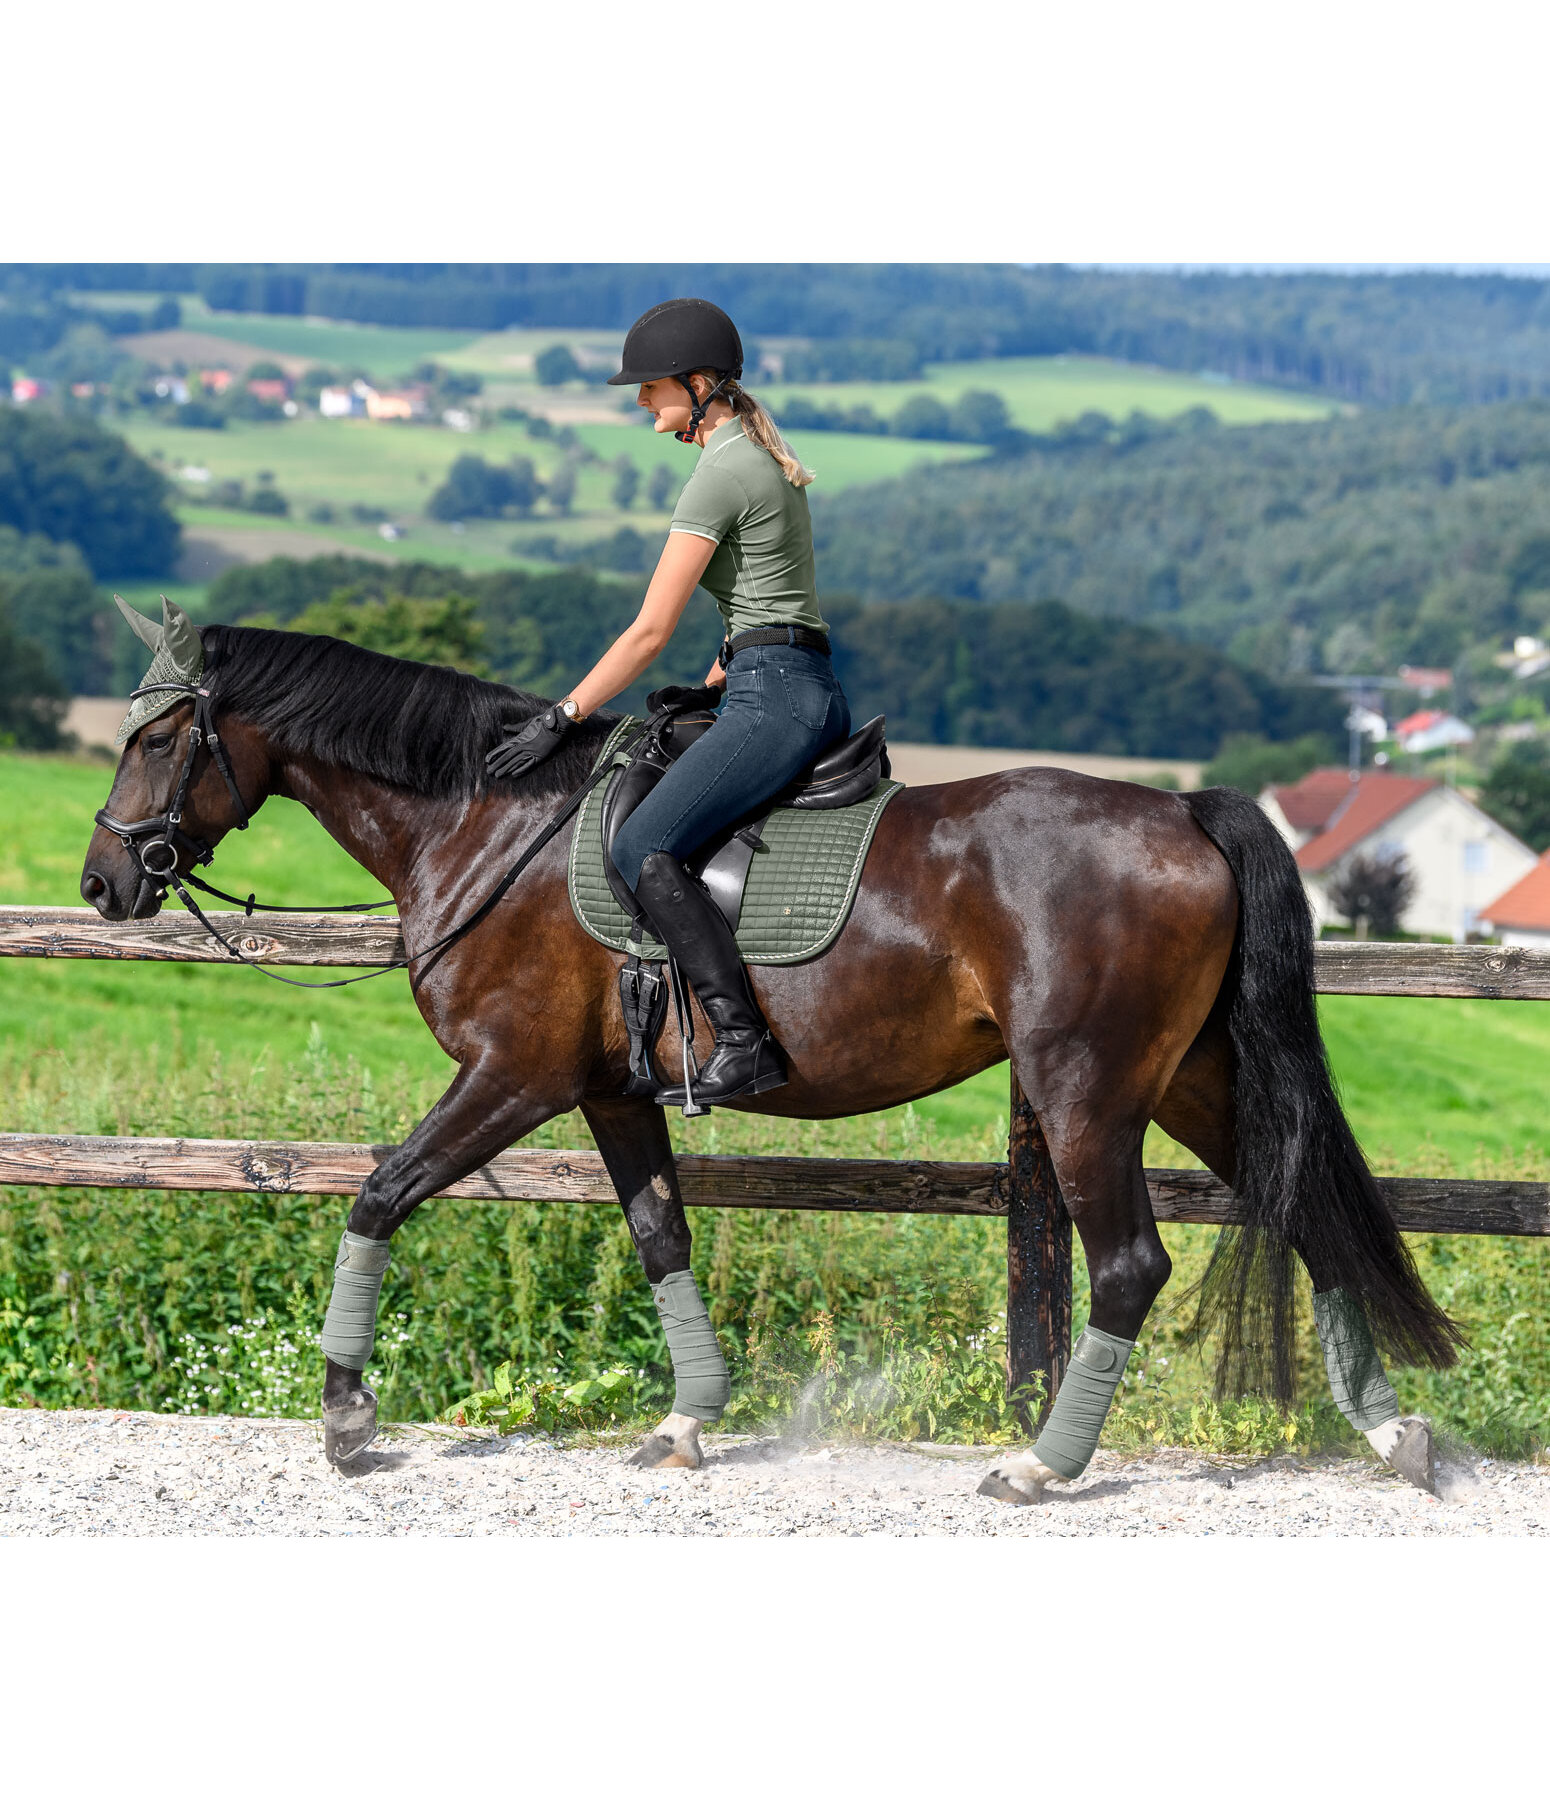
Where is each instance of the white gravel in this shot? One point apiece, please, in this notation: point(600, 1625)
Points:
point(69, 1474)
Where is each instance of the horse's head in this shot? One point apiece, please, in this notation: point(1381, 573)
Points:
point(179, 787)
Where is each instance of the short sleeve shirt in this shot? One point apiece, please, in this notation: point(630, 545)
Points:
point(738, 497)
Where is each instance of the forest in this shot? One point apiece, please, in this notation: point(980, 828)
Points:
point(1414, 534)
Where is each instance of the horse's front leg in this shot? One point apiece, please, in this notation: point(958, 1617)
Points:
point(632, 1137)
point(477, 1118)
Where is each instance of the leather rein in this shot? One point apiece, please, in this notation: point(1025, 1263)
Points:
point(162, 836)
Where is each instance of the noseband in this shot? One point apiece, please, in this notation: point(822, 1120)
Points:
point(156, 843)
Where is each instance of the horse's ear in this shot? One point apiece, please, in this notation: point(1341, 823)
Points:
point(147, 630)
point(182, 639)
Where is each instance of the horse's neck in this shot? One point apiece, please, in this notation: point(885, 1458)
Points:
point(402, 838)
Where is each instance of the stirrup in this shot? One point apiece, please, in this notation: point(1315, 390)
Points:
point(769, 1071)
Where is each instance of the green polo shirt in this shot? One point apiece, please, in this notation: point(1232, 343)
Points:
point(739, 498)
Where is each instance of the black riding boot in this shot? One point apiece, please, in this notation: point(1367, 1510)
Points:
point(746, 1059)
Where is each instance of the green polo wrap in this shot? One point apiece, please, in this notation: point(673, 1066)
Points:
point(702, 1386)
point(350, 1328)
point(1362, 1391)
point(1070, 1433)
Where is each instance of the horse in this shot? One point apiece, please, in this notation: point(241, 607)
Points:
point(1138, 954)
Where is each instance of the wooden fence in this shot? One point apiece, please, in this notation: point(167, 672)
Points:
point(1022, 1190)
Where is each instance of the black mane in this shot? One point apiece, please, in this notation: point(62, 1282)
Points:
point(413, 725)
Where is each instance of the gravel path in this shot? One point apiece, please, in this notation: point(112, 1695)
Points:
point(140, 1474)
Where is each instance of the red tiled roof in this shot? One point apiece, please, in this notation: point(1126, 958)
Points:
point(1526, 904)
point(1371, 802)
point(1435, 679)
point(1419, 721)
point(1310, 804)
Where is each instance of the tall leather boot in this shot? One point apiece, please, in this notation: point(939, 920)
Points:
point(746, 1059)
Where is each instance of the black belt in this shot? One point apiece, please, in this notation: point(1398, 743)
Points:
point(800, 637)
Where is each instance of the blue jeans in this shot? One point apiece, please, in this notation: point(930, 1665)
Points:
point(783, 707)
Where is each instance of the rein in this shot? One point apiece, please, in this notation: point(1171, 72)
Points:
point(164, 835)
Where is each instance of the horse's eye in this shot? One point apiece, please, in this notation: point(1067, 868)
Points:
point(159, 742)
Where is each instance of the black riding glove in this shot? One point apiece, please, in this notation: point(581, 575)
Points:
point(519, 751)
point(684, 699)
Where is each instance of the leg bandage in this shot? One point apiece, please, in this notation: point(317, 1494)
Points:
point(702, 1386)
point(350, 1327)
point(1362, 1391)
point(1070, 1433)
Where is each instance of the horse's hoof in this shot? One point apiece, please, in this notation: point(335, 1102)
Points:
point(1414, 1457)
point(995, 1486)
point(348, 1429)
point(667, 1453)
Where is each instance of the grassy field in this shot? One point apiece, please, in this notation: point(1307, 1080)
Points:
point(344, 463)
point(1041, 391)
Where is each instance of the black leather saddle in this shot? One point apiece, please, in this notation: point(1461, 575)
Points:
point(845, 773)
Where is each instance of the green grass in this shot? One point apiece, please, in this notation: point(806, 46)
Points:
point(1042, 391)
point(384, 351)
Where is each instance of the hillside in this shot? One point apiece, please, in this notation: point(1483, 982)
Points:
point(1405, 535)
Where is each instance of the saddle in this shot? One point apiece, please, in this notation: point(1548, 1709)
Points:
point(844, 774)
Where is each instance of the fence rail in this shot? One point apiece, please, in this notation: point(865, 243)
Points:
point(1441, 971)
point(1023, 1190)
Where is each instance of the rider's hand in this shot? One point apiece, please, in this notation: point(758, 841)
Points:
point(519, 751)
point(684, 699)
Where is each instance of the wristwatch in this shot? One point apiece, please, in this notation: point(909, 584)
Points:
point(571, 710)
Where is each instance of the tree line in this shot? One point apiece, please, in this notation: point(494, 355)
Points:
point(1377, 338)
point(1012, 675)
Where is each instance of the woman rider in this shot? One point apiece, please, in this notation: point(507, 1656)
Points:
point(741, 530)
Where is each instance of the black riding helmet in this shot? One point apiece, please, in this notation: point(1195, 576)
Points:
point(676, 338)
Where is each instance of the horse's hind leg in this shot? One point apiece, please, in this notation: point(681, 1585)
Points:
point(1097, 1158)
point(632, 1137)
point(1197, 1110)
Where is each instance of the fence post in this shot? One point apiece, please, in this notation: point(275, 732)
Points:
point(1038, 1258)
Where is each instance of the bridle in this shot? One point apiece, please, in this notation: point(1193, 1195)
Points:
point(163, 833)
point(163, 837)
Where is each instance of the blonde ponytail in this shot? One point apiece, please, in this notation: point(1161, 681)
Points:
point(762, 430)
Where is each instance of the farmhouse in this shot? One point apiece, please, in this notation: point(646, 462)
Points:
point(1431, 730)
point(1522, 914)
point(1460, 857)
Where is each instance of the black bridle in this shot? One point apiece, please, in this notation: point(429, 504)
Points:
point(163, 835)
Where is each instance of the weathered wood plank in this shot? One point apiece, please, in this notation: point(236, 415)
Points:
point(806, 1184)
point(307, 941)
point(230, 1166)
point(1480, 971)
point(1467, 971)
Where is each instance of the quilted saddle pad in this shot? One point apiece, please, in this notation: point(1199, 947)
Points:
point(801, 885)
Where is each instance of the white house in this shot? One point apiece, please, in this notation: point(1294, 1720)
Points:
point(1431, 730)
point(1460, 857)
point(1521, 915)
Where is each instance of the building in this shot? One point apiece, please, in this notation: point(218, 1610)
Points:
point(406, 403)
point(1522, 914)
point(272, 391)
point(342, 403)
point(215, 381)
point(1426, 682)
point(24, 390)
point(1460, 857)
point(1431, 730)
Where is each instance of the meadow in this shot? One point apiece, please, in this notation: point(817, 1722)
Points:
point(1432, 1086)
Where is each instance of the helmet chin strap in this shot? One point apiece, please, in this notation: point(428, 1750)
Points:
point(698, 406)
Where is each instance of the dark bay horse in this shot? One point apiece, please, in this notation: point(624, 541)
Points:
point(1139, 955)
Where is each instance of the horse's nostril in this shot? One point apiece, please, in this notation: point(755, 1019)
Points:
point(93, 888)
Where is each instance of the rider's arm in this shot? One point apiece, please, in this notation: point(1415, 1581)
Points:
point(683, 561)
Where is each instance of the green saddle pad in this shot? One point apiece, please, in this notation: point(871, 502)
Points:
point(801, 885)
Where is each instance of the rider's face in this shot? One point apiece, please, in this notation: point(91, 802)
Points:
point(667, 402)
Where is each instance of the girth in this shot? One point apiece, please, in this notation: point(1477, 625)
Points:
point(845, 773)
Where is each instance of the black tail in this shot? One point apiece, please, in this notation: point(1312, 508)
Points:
point(1301, 1182)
